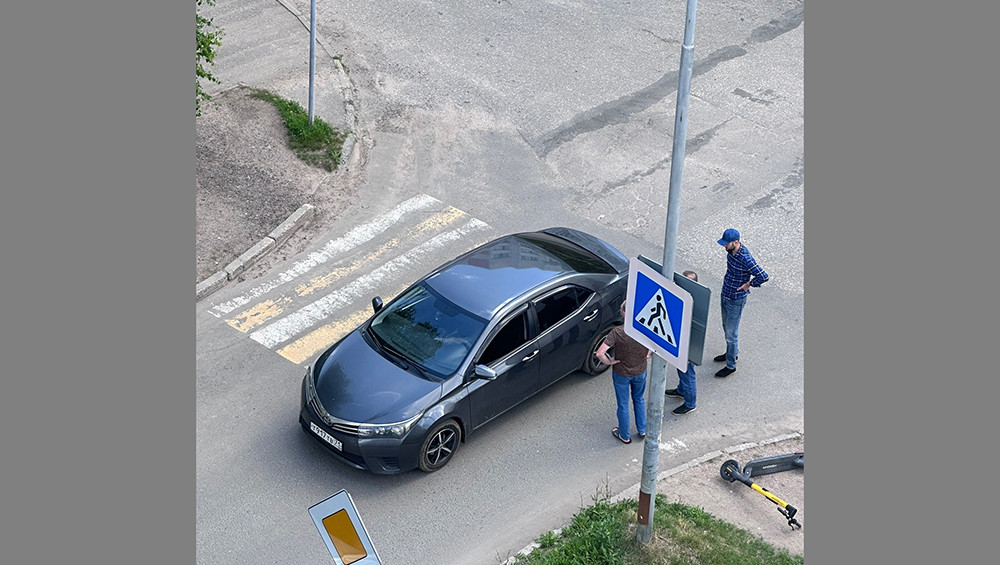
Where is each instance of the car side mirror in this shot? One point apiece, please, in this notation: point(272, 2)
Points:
point(484, 372)
point(377, 303)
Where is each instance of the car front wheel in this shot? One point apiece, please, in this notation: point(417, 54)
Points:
point(440, 446)
point(593, 365)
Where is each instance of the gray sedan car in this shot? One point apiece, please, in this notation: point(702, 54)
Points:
point(461, 346)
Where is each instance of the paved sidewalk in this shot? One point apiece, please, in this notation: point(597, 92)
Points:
point(266, 45)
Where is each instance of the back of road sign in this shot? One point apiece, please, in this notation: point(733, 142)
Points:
point(342, 531)
point(702, 296)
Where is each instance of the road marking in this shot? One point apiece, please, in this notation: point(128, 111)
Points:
point(673, 445)
point(269, 309)
point(312, 343)
point(260, 313)
point(286, 328)
point(353, 238)
point(436, 222)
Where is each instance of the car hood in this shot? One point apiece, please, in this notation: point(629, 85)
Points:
point(357, 384)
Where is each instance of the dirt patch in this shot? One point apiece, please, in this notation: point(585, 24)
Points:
point(248, 181)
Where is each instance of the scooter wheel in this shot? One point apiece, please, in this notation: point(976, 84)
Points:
point(729, 470)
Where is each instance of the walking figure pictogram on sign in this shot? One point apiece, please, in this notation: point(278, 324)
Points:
point(654, 316)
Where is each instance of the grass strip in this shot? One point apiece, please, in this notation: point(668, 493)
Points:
point(605, 534)
point(319, 145)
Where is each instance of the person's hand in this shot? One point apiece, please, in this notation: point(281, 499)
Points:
point(744, 286)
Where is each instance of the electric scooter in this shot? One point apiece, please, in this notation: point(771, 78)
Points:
point(765, 466)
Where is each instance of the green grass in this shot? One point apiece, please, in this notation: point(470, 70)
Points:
point(605, 534)
point(319, 145)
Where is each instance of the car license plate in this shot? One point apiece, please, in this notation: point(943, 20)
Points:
point(326, 437)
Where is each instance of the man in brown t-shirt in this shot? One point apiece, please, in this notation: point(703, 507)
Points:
point(628, 373)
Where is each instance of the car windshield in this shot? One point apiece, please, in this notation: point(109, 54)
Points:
point(428, 330)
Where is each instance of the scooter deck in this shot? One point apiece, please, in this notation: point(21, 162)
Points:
point(774, 464)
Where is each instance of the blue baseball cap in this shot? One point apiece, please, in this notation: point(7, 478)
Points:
point(729, 236)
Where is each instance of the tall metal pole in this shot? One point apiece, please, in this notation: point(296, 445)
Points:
point(658, 366)
point(312, 57)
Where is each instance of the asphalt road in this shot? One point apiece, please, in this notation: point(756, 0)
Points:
point(480, 119)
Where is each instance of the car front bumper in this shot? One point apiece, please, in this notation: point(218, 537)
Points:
point(381, 456)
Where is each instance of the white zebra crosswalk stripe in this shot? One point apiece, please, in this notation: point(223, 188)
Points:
point(274, 306)
point(309, 316)
point(357, 236)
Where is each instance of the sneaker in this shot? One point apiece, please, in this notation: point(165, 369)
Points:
point(641, 436)
point(614, 432)
point(672, 393)
point(725, 372)
point(722, 358)
point(682, 409)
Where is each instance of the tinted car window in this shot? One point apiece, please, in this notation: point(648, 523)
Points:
point(428, 330)
point(554, 308)
point(578, 258)
point(514, 334)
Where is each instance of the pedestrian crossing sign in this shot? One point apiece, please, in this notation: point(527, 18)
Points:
point(658, 313)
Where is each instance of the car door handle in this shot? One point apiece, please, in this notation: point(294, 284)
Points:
point(530, 357)
point(591, 316)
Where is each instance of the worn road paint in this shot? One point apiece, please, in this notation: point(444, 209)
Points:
point(436, 222)
point(260, 313)
point(360, 234)
point(253, 318)
point(285, 329)
point(312, 343)
point(673, 445)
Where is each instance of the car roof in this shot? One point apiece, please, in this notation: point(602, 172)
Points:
point(486, 278)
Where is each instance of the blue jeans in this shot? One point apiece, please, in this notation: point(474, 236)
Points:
point(687, 387)
point(636, 387)
point(732, 310)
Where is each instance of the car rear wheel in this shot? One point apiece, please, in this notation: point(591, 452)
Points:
point(593, 365)
point(440, 446)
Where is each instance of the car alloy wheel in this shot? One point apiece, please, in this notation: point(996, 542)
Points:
point(593, 365)
point(440, 446)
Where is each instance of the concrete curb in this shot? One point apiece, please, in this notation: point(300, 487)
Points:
point(272, 241)
point(249, 257)
point(633, 491)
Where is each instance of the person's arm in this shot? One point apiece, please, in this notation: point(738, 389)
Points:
point(602, 354)
point(758, 275)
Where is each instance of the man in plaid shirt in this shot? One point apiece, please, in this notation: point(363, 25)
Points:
point(742, 272)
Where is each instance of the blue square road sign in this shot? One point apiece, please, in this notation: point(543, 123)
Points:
point(658, 314)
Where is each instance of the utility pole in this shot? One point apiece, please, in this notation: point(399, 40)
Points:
point(312, 57)
point(658, 368)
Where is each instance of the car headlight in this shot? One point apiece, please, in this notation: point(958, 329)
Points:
point(397, 430)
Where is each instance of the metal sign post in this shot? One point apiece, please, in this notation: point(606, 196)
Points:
point(312, 57)
point(657, 372)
